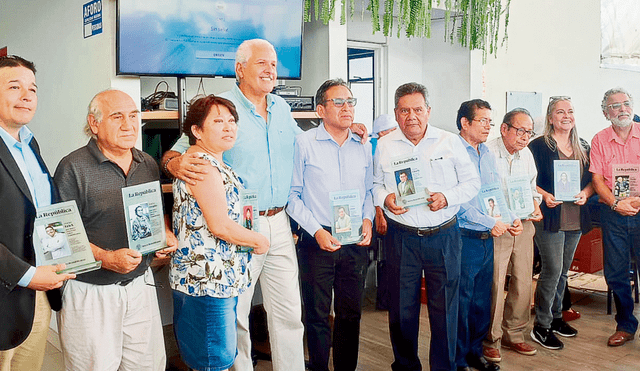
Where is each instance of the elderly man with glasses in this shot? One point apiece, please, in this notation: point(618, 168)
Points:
point(510, 316)
point(618, 146)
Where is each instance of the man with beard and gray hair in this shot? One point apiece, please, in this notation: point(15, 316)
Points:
point(617, 146)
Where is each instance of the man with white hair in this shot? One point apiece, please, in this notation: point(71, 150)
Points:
point(617, 145)
point(111, 319)
point(263, 158)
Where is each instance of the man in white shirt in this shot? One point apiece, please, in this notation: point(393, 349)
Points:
point(510, 316)
point(423, 238)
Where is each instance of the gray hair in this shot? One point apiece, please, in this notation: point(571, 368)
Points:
point(511, 114)
point(611, 92)
point(574, 139)
point(246, 49)
point(321, 94)
point(94, 110)
point(411, 88)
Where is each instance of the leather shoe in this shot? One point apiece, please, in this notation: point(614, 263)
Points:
point(522, 348)
point(619, 338)
point(491, 354)
point(481, 364)
point(464, 369)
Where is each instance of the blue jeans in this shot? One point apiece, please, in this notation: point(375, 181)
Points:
point(205, 329)
point(620, 239)
point(474, 310)
point(556, 252)
point(438, 256)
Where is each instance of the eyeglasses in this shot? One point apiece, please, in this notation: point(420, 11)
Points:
point(520, 131)
point(485, 122)
point(339, 102)
point(617, 106)
point(559, 97)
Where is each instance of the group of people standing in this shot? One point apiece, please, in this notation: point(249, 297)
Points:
point(246, 139)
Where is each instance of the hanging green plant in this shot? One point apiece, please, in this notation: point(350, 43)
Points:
point(471, 23)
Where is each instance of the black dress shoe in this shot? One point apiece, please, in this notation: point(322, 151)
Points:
point(481, 364)
point(464, 369)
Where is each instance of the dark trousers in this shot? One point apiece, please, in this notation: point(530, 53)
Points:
point(474, 309)
point(321, 271)
point(620, 239)
point(438, 256)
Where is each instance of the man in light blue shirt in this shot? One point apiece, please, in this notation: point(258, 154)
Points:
point(330, 158)
point(263, 158)
point(477, 230)
point(26, 185)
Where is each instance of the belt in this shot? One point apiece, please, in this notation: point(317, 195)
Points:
point(424, 231)
point(475, 234)
point(125, 282)
point(272, 211)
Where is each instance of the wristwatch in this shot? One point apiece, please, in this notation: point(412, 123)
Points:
point(614, 205)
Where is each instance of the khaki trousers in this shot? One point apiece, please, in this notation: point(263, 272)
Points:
point(510, 316)
point(29, 355)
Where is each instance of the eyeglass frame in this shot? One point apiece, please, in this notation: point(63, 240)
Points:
point(626, 103)
point(520, 131)
point(490, 122)
point(351, 102)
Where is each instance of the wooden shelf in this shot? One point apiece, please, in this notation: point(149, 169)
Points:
point(305, 115)
point(160, 115)
point(173, 115)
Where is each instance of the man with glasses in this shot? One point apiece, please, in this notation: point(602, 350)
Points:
point(477, 230)
point(617, 145)
point(330, 158)
point(423, 238)
point(510, 316)
point(111, 319)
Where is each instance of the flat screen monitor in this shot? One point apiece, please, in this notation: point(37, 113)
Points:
point(200, 37)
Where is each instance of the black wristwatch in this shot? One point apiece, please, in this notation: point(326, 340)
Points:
point(614, 205)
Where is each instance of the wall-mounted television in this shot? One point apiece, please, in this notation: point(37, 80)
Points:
point(200, 37)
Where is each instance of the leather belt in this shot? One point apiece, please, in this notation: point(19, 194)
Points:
point(271, 212)
point(475, 234)
point(125, 282)
point(424, 231)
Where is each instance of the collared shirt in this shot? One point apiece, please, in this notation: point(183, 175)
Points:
point(607, 150)
point(322, 166)
point(87, 176)
point(471, 215)
point(519, 163)
point(448, 167)
point(37, 180)
point(263, 153)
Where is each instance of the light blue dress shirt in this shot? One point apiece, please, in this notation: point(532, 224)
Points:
point(263, 153)
point(37, 180)
point(322, 166)
point(470, 215)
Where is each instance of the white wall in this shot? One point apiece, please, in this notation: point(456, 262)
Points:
point(445, 69)
point(71, 69)
point(554, 48)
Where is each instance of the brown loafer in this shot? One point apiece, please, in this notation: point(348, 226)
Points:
point(570, 315)
point(522, 348)
point(619, 338)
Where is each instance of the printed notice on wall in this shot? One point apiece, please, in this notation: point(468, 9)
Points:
point(92, 18)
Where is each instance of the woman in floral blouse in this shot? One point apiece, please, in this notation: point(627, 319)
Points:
point(210, 268)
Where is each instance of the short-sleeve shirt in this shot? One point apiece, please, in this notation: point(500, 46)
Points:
point(87, 176)
point(263, 153)
point(205, 265)
point(607, 150)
